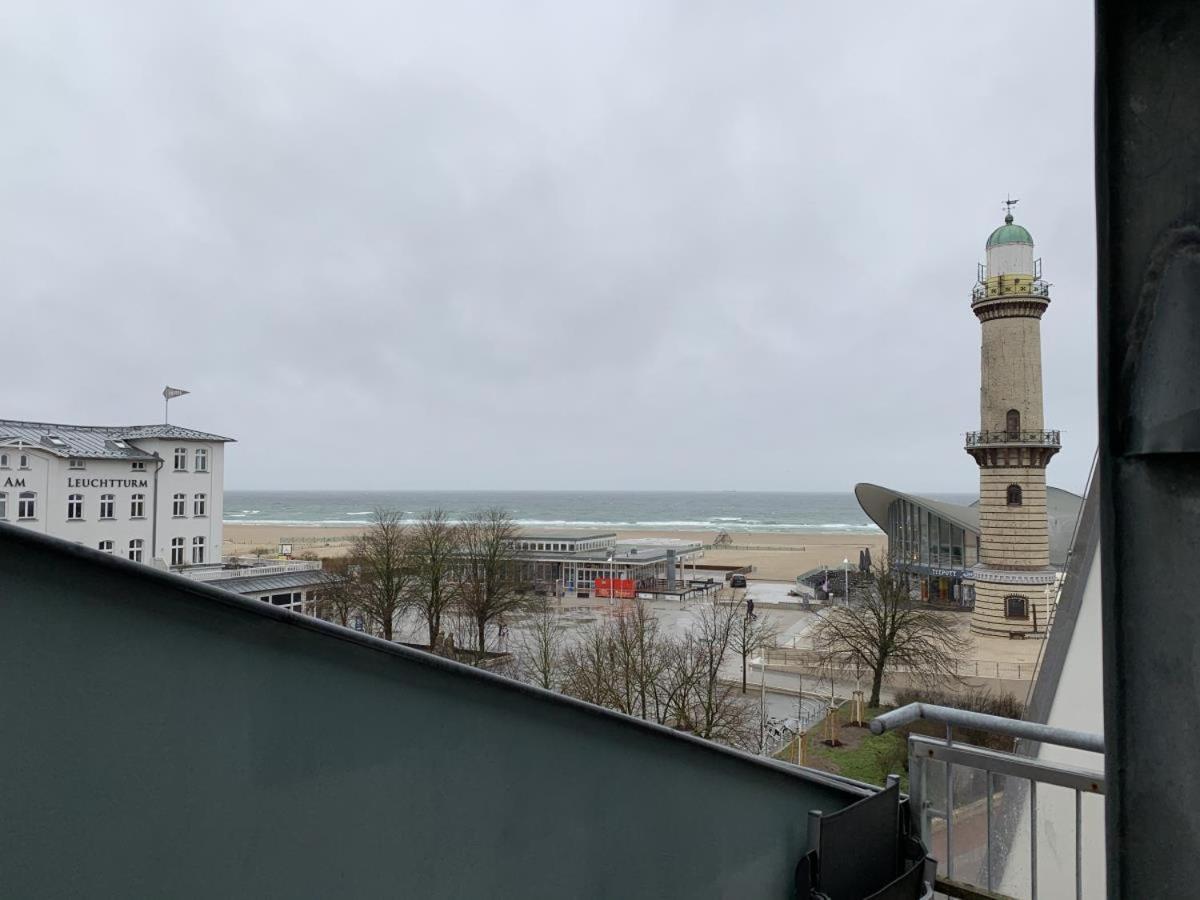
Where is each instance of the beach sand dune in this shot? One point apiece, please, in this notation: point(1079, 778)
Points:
point(775, 556)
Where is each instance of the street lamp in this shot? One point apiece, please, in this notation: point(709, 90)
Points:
point(846, 569)
point(611, 569)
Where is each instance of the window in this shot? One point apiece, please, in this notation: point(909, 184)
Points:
point(137, 506)
point(3, 506)
point(197, 550)
point(3, 460)
point(179, 506)
point(181, 459)
point(75, 464)
point(75, 507)
point(201, 460)
point(27, 505)
point(138, 466)
point(135, 549)
point(23, 461)
point(1013, 423)
point(105, 546)
point(290, 601)
point(108, 506)
point(1014, 495)
point(200, 505)
point(1016, 607)
point(177, 551)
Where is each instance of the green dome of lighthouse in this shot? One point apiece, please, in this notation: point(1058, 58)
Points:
point(1008, 233)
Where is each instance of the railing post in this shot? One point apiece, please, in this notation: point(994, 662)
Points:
point(950, 806)
point(916, 793)
point(1033, 876)
point(988, 836)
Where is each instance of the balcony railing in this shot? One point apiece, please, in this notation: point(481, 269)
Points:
point(215, 574)
point(1022, 288)
point(970, 803)
point(1032, 438)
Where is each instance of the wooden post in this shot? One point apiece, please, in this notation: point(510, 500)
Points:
point(860, 709)
point(831, 726)
point(801, 753)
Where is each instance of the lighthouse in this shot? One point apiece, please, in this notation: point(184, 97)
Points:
point(1013, 579)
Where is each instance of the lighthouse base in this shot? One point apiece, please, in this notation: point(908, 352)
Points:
point(1012, 603)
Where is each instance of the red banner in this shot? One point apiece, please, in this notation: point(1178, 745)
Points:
point(625, 588)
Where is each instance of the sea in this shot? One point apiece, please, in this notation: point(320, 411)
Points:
point(733, 511)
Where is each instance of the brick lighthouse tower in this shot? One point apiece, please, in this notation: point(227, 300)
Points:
point(1012, 447)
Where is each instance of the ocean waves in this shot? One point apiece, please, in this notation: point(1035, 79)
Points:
point(740, 526)
point(601, 511)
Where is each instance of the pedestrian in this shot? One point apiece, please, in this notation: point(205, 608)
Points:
point(750, 608)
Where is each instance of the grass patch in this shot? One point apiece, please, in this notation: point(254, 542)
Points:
point(863, 756)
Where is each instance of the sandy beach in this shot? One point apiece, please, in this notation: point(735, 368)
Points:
point(775, 556)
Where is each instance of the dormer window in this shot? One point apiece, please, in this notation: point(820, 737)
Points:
point(55, 441)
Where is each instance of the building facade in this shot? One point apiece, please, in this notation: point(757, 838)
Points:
point(147, 492)
point(1012, 447)
point(580, 564)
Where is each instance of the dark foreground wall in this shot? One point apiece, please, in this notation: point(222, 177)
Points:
point(163, 738)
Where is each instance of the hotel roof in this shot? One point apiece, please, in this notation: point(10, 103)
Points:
point(95, 441)
point(241, 584)
point(565, 535)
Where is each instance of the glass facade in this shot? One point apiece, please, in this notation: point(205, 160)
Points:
point(934, 550)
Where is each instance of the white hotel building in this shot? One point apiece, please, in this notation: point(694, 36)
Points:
point(145, 492)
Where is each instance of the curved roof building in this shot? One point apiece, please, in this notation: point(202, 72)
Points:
point(938, 541)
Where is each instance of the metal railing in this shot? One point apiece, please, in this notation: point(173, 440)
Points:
point(800, 651)
point(930, 801)
point(1039, 438)
point(1036, 288)
point(299, 565)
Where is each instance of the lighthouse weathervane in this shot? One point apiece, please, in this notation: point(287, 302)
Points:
point(1012, 447)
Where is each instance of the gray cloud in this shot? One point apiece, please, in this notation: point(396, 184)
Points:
point(672, 245)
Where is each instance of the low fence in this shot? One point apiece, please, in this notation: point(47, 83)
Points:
point(809, 659)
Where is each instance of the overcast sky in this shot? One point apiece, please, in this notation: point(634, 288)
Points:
point(643, 245)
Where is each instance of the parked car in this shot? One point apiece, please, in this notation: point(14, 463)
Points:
point(737, 581)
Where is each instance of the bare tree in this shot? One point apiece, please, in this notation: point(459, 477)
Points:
point(434, 543)
point(752, 632)
point(885, 627)
point(627, 664)
point(338, 600)
point(588, 667)
point(490, 583)
point(381, 570)
point(540, 647)
point(710, 641)
point(639, 659)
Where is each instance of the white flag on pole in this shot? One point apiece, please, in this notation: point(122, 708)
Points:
point(170, 393)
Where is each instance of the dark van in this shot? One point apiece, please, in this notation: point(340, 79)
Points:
point(737, 581)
